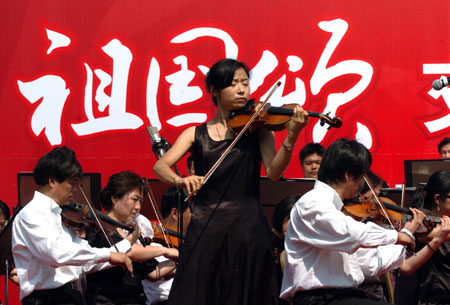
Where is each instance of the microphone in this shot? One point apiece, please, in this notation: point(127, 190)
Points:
point(441, 83)
point(157, 141)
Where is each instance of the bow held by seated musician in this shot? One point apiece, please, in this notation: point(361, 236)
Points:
point(121, 198)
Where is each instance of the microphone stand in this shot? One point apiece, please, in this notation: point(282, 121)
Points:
point(165, 146)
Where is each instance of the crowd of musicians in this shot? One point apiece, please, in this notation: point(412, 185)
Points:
point(317, 251)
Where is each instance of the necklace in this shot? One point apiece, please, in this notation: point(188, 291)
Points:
point(217, 129)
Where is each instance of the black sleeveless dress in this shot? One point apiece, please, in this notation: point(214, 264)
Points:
point(226, 258)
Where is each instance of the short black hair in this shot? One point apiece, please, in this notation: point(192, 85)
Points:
point(5, 210)
point(444, 142)
point(171, 198)
point(344, 156)
point(310, 149)
point(283, 210)
point(221, 74)
point(120, 184)
point(59, 164)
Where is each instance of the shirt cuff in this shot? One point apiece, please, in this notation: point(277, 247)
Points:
point(124, 246)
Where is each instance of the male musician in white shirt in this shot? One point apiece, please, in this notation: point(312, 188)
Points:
point(50, 257)
point(328, 253)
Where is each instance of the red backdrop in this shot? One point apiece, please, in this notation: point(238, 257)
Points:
point(93, 74)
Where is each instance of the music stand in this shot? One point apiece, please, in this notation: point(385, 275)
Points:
point(418, 171)
point(6, 257)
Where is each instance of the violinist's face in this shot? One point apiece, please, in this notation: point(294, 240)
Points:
point(62, 193)
point(125, 208)
point(445, 151)
point(236, 95)
point(444, 204)
point(310, 165)
point(351, 186)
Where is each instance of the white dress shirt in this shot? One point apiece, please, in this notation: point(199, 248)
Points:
point(323, 245)
point(47, 254)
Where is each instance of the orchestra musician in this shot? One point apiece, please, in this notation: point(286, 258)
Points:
point(49, 256)
point(5, 214)
point(433, 278)
point(310, 157)
point(121, 198)
point(226, 257)
point(444, 148)
point(327, 252)
point(157, 292)
point(280, 221)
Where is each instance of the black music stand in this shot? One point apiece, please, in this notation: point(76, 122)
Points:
point(418, 171)
point(6, 258)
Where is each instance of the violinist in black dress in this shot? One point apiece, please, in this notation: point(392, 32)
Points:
point(227, 258)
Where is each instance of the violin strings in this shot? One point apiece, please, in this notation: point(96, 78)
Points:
point(96, 218)
point(377, 200)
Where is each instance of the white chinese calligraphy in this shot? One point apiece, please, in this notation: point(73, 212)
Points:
point(444, 121)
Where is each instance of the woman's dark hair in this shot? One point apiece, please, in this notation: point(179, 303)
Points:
point(5, 210)
point(172, 196)
point(374, 179)
point(438, 183)
point(221, 74)
point(118, 185)
point(344, 156)
point(58, 164)
point(283, 210)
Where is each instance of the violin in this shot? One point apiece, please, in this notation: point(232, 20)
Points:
point(79, 216)
point(166, 235)
point(369, 209)
point(273, 118)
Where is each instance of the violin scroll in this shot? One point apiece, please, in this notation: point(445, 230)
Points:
point(334, 122)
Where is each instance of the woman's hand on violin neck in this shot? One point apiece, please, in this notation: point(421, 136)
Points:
point(192, 183)
point(416, 222)
point(171, 253)
point(133, 237)
point(444, 231)
point(297, 122)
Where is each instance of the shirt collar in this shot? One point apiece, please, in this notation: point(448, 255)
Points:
point(326, 189)
point(54, 207)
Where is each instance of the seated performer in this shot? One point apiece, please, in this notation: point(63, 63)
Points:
point(50, 257)
point(121, 198)
point(324, 262)
point(433, 284)
point(444, 148)
point(5, 214)
point(280, 221)
point(157, 292)
point(310, 158)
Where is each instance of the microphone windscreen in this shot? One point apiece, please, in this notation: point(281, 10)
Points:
point(438, 84)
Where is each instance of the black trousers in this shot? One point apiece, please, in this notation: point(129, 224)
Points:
point(333, 296)
point(67, 294)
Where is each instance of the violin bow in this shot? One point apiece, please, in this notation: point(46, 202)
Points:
point(238, 136)
point(96, 217)
point(380, 205)
point(151, 198)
